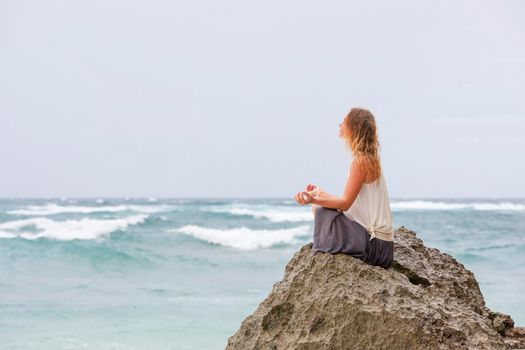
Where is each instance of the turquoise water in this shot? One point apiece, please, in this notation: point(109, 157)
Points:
point(183, 274)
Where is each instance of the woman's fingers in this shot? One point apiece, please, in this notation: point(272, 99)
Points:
point(301, 198)
point(311, 187)
point(307, 198)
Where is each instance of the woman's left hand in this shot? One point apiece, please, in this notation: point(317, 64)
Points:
point(303, 198)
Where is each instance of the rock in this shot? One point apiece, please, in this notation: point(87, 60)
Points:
point(426, 300)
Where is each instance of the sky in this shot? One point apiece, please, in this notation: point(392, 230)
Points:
point(236, 98)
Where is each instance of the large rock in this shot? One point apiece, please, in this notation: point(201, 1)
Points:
point(426, 300)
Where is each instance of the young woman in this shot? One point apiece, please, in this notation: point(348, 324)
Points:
point(359, 222)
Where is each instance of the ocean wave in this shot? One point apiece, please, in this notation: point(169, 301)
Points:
point(431, 205)
point(67, 229)
point(51, 209)
point(491, 247)
point(243, 237)
point(499, 206)
point(273, 214)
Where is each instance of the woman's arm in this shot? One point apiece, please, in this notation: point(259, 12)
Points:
point(324, 194)
point(334, 202)
point(352, 188)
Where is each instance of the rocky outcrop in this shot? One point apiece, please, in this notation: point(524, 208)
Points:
point(426, 300)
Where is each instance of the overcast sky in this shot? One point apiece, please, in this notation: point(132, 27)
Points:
point(243, 98)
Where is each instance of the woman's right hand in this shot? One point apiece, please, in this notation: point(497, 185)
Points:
point(303, 198)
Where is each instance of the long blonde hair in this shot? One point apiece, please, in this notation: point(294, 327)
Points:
point(363, 142)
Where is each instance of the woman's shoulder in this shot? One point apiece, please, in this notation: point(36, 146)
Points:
point(358, 169)
point(372, 173)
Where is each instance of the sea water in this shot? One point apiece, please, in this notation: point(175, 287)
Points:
point(183, 273)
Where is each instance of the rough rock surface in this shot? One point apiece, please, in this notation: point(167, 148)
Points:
point(426, 300)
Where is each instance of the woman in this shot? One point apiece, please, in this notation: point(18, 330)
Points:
point(358, 223)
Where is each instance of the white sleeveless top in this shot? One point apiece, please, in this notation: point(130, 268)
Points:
point(371, 209)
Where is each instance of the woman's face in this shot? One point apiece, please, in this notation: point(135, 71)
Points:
point(343, 130)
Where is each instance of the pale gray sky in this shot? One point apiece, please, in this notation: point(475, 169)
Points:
point(243, 98)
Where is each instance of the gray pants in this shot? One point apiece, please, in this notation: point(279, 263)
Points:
point(334, 233)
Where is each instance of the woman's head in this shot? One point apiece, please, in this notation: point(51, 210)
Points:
point(359, 132)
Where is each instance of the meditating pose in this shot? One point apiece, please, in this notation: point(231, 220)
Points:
point(359, 222)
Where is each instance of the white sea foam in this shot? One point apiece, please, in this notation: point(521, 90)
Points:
point(243, 237)
point(50, 209)
point(426, 205)
point(4, 234)
point(67, 229)
point(499, 206)
point(274, 214)
point(431, 205)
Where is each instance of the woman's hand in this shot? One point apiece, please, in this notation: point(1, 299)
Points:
point(303, 198)
point(314, 190)
point(312, 187)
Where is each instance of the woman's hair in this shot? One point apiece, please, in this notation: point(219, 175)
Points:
point(363, 141)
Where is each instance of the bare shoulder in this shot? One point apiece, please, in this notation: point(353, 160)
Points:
point(358, 166)
point(358, 170)
point(353, 185)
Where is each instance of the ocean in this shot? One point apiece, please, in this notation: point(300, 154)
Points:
point(183, 273)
